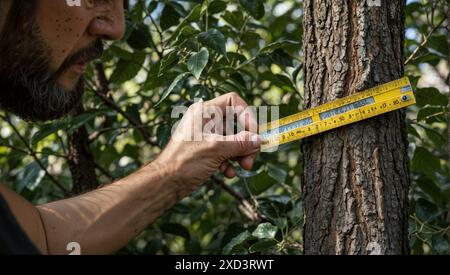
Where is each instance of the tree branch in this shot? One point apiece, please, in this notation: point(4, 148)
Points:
point(244, 205)
point(80, 158)
point(12, 147)
point(110, 103)
point(424, 42)
point(33, 154)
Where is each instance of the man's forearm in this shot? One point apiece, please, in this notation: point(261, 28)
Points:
point(106, 219)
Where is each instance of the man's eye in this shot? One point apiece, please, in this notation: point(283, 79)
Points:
point(89, 3)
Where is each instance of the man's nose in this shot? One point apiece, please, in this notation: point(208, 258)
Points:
point(109, 24)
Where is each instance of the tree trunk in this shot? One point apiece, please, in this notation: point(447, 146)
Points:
point(81, 161)
point(356, 178)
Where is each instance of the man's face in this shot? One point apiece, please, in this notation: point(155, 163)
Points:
point(45, 56)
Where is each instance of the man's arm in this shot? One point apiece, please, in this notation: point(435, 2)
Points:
point(104, 220)
point(101, 221)
point(27, 216)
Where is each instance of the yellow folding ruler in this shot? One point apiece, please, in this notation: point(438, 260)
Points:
point(375, 101)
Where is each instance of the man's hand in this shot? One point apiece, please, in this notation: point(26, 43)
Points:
point(104, 220)
point(195, 154)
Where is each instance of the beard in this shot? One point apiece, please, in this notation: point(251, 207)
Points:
point(28, 87)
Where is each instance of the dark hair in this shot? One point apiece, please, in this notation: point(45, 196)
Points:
point(19, 10)
point(18, 20)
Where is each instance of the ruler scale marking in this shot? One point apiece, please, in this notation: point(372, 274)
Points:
point(375, 101)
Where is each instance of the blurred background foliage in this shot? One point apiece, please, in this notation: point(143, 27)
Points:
point(175, 52)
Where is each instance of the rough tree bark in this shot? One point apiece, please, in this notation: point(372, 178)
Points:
point(356, 179)
point(80, 159)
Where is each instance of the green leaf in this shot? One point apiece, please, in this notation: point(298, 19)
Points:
point(281, 44)
point(176, 86)
point(215, 40)
point(430, 188)
point(281, 223)
point(412, 7)
point(296, 214)
point(435, 137)
point(179, 8)
point(47, 130)
point(78, 121)
point(234, 18)
point(121, 53)
point(163, 134)
point(152, 6)
point(217, 7)
point(242, 173)
point(281, 199)
point(254, 7)
point(430, 96)
point(32, 176)
point(265, 231)
point(296, 73)
point(168, 62)
point(439, 43)
point(153, 247)
point(140, 38)
point(277, 173)
point(184, 29)
point(181, 208)
point(69, 125)
point(236, 241)
point(279, 80)
point(425, 162)
point(426, 210)
point(432, 114)
point(199, 91)
point(440, 244)
point(127, 69)
point(281, 57)
point(413, 131)
point(251, 39)
point(176, 229)
point(198, 62)
point(169, 17)
point(262, 245)
point(261, 183)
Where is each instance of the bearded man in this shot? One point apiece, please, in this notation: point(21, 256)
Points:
point(45, 47)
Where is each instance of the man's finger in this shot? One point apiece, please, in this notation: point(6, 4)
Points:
point(247, 162)
point(240, 145)
point(230, 172)
point(224, 166)
point(246, 116)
